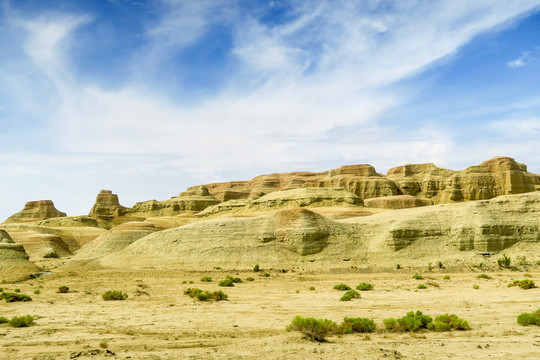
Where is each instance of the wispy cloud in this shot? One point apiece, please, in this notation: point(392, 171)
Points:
point(521, 61)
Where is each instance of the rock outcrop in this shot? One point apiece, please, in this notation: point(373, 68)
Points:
point(397, 202)
point(41, 246)
point(35, 211)
point(107, 206)
point(14, 262)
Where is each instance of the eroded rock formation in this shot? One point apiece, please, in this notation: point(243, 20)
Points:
point(397, 202)
point(107, 206)
point(14, 259)
point(35, 211)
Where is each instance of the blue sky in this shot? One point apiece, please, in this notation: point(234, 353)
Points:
point(147, 98)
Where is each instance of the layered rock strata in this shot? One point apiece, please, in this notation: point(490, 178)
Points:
point(35, 211)
point(14, 262)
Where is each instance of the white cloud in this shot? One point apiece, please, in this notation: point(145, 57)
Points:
point(523, 60)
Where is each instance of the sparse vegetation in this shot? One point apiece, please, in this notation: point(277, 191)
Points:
point(266, 274)
point(446, 277)
point(418, 277)
point(410, 322)
point(206, 279)
point(63, 289)
point(342, 287)
point(361, 325)
point(527, 319)
point(206, 295)
point(114, 295)
point(523, 284)
point(363, 286)
point(398, 267)
point(256, 268)
point(37, 291)
point(476, 286)
point(226, 283)
point(504, 262)
point(448, 322)
point(440, 264)
point(484, 276)
point(21, 321)
point(313, 329)
point(13, 297)
point(312, 288)
point(421, 286)
point(349, 295)
point(250, 278)
point(3, 320)
point(17, 290)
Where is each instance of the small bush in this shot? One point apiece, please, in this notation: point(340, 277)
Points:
point(342, 287)
point(266, 274)
point(256, 268)
point(449, 322)
point(441, 266)
point(476, 286)
point(313, 329)
point(234, 279)
point(527, 319)
point(37, 291)
point(312, 288)
point(361, 325)
point(365, 286)
point(421, 286)
point(206, 295)
point(21, 321)
point(504, 262)
point(17, 290)
point(523, 284)
point(398, 267)
point(3, 320)
point(13, 297)
point(206, 279)
point(226, 283)
point(349, 295)
point(391, 324)
point(114, 295)
point(484, 276)
point(410, 322)
point(63, 289)
point(446, 277)
point(418, 277)
point(250, 279)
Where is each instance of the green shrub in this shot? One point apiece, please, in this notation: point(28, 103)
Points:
point(206, 279)
point(266, 274)
point(114, 295)
point(313, 329)
point(342, 287)
point(234, 279)
point(363, 286)
point(527, 319)
point(206, 295)
point(312, 288)
point(17, 290)
point(37, 291)
point(446, 277)
point(476, 286)
point(441, 266)
point(63, 289)
point(349, 295)
point(524, 284)
point(448, 322)
point(3, 320)
point(21, 321)
point(421, 286)
point(362, 325)
point(226, 282)
point(418, 277)
point(484, 276)
point(256, 268)
point(410, 322)
point(398, 267)
point(249, 279)
point(13, 297)
point(504, 262)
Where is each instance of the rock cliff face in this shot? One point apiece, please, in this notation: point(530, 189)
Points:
point(35, 211)
point(13, 259)
point(397, 202)
point(107, 206)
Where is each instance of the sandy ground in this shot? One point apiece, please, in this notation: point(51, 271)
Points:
point(158, 321)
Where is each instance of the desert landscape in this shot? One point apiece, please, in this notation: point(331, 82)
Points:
point(420, 238)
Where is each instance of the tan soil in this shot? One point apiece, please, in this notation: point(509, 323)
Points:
point(166, 324)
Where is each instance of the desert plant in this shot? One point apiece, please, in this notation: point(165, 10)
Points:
point(476, 286)
point(410, 322)
point(226, 282)
point(250, 278)
point(421, 286)
point(21, 321)
point(256, 268)
point(361, 325)
point(234, 279)
point(13, 297)
point(484, 276)
point(363, 286)
point(349, 295)
point(418, 277)
point(523, 284)
point(398, 267)
point(37, 291)
point(3, 320)
point(17, 290)
point(63, 289)
point(206, 279)
point(266, 274)
point(342, 287)
point(448, 322)
point(313, 329)
point(446, 277)
point(504, 262)
point(391, 324)
point(114, 295)
point(527, 319)
point(440, 264)
point(312, 288)
point(206, 295)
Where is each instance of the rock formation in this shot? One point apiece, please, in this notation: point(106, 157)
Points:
point(397, 202)
point(107, 206)
point(14, 262)
point(35, 211)
point(42, 246)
